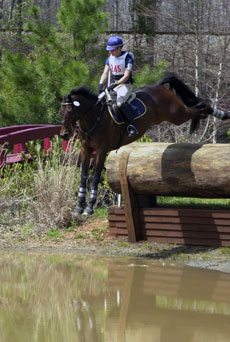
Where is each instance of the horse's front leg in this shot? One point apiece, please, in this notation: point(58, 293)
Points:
point(81, 199)
point(100, 160)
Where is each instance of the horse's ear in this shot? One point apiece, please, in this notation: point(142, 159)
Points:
point(60, 98)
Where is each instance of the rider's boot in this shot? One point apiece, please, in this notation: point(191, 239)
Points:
point(132, 130)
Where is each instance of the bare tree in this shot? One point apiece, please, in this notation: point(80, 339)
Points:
point(193, 36)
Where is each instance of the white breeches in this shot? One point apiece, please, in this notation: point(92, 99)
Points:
point(123, 92)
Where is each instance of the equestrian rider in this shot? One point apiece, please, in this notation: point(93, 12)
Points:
point(120, 64)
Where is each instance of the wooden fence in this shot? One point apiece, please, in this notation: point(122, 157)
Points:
point(171, 170)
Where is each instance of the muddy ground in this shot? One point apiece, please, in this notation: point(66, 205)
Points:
point(92, 238)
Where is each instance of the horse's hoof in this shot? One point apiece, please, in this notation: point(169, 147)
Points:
point(78, 210)
point(88, 211)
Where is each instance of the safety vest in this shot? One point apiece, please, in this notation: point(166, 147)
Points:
point(117, 64)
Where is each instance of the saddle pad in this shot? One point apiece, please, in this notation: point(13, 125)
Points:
point(137, 108)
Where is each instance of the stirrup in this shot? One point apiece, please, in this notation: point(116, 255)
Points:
point(132, 130)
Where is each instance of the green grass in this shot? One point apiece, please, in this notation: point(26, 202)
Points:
point(225, 250)
point(80, 236)
point(212, 203)
point(27, 228)
point(101, 213)
point(54, 233)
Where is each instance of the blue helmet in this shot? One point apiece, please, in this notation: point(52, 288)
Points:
point(113, 43)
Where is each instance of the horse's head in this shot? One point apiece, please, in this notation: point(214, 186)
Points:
point(74, 107)
point(69, 115)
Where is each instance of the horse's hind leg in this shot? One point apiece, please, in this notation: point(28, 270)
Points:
point(206, 110)
point(220, 114)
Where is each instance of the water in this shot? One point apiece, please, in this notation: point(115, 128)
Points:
point(52, 298)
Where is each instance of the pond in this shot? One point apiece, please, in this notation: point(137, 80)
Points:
point(66, 298)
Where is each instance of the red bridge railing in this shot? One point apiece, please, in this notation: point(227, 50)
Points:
point(17, 136)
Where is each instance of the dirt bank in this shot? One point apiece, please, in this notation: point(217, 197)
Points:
point(89, 238)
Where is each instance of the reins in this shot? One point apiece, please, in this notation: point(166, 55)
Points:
point(98, 119)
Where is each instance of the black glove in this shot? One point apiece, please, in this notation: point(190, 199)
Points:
point(112, 86)
point(100, 88)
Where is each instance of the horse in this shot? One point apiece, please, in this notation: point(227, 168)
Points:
point(98, 132)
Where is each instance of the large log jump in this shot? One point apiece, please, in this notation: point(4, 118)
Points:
point(191, 170)
point(187, 170)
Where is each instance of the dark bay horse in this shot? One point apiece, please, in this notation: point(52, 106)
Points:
point(98, 131)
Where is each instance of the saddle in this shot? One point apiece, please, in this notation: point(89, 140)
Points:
point(136, 106)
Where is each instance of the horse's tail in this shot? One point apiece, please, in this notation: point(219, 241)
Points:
point(185, 93)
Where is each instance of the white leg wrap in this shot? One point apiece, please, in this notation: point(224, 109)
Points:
point(218, 113)
point(82, 192)
point(93, 194)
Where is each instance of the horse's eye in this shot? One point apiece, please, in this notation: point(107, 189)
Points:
point(76, 103)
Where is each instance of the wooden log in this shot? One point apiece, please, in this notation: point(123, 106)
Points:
point(190, 170)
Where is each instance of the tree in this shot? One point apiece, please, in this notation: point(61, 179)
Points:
point(52, 64)
point(193, 37)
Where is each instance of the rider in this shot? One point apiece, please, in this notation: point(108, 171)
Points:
point(120, 64)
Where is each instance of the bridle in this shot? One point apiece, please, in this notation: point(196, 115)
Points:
point(98, 119)
point(66, 104)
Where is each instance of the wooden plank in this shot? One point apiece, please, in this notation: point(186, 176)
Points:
point(130, 205)
point(182, 212)
point(177, 234)
point(185, 220)
point(119, 222)
point(113, 230)
point(116, 210)
point(175, 227)
point(191, 241)
point(116, 218)
point(187, 234)
point(204, 228)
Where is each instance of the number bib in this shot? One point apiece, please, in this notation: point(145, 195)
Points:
point(117, 64)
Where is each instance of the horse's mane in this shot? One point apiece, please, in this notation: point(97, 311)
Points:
point(85, 92)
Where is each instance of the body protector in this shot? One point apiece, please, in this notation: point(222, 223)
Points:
point(118, 65)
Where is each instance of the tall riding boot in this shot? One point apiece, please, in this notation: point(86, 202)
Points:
point(132, 130)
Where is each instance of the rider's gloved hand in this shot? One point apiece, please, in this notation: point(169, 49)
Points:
point(112, 86)
point(100, 88)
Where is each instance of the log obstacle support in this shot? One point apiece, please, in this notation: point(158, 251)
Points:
point(160, 169)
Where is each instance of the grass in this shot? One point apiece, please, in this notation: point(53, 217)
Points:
point(124, 244)
point(225, 250)
point(99, 232)
point(27, 228)
point(80, 236)
point(54, 233)
point(101, 213)
point(209, 203)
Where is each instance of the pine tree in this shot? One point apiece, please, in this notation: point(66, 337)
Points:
point(52, 64)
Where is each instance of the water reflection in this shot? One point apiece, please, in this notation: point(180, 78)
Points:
point(71, 298)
